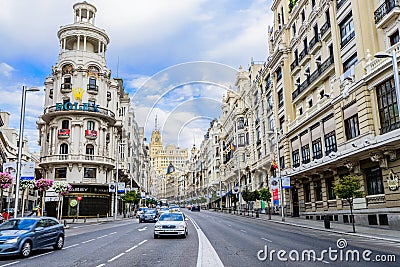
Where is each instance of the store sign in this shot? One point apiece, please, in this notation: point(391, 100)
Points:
point(77, 106)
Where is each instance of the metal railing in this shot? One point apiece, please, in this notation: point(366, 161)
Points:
point(325, 28)
point(384, 9)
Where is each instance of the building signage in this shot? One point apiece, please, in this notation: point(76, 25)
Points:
point(77, 106)
point(27, 170)
point(96, 189)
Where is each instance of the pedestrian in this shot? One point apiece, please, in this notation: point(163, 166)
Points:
point(6, 215)
point(38, 212)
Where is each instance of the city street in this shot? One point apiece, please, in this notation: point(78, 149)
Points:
point(236, 240)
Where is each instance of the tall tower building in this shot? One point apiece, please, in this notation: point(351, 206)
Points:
point(84, 114)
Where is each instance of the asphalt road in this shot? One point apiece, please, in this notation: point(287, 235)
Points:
point(213, 238)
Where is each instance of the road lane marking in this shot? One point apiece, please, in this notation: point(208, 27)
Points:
point(71, 246)
point(206, 256)
point(141, 243)
point(266, 239)
point(142, 229)
point(101, 265)
point(116, 257)
point(8, 264)
point(241, 230)
point(132, 248)
point(87, 241)
point(102, 236)
point(41, 255)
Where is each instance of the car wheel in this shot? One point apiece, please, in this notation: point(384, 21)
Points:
point(26, 249)
point(60, 243)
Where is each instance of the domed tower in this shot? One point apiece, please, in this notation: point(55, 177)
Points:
point(80, 125)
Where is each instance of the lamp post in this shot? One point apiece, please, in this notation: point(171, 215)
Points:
point(395, 74)
point(20, 141)
point(282, 196)
point(116, 183)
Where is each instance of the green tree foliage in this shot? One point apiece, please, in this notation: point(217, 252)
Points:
point(265, 194)
point(131, 197)
point(348, 188)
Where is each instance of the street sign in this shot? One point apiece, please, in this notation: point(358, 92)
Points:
point(79, 198)
point(27, 171)
point(285, 182)
point(121, 187)
point(111, 187)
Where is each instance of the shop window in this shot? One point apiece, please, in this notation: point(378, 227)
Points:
point(307, 192)
point(318, 190)
point(330, 188)
point(372, 220)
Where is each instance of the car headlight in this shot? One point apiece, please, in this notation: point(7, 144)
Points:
point(181, 226)
point(157, 226)
point(12, 241)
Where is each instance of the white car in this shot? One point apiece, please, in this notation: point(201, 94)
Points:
point(171, 223)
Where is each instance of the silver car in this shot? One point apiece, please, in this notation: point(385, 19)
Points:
point(171, 223)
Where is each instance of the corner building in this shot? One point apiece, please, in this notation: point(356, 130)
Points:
point(84, 116)
point(337, 106)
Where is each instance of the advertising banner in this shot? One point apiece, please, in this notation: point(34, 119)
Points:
point(28, 171)
point(10, 168)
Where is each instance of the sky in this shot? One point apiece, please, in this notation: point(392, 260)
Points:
point(177, 58)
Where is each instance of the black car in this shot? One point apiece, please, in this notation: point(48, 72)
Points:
point(150, 215)
point(195, 208)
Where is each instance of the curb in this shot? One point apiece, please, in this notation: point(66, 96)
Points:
point(324, 230)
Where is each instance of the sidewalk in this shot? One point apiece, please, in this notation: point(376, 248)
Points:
point(83, 220)
point(378, 233)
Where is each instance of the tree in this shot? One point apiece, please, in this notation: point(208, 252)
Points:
point(131, 197)
point(348, 188)
point(61, 188)
point(266, 195)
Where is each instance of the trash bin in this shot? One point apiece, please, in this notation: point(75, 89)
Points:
point(327, 222)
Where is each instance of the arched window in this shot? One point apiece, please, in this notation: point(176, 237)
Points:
point(89, 151)
point(90, 125)
point(63, 152)
point(92, 84)
point(65, 124)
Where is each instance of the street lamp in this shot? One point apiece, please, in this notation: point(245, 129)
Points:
point(282, 196)
point(20, 141)
point(395, 74)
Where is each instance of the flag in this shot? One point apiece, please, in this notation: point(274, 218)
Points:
point(232, 147)
point(274, 165)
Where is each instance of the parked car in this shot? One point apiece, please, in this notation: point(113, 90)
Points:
point(22, 235)
point(150, 215)
point(172, 223)
point(195, 208)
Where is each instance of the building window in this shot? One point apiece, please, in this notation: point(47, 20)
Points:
point(330, 143)
point(259, 153)
point(282, 162)
point(310, 103)
point(317, 148)
point(388, 108)
point(294, 29)
point(89, 151)
point(305, 154)
point(330, 188)
point(65, 124)
point(307, 192)
point(346, 30)
point(90, 125)
point(281, 122)
point(350, 62)
point(351, 127)
point(66, 100)
point(60, 173)
point(313, 3)
point(92, 84)
point(296, 158)
point(303, 15)
point(280, 98)
point(247, 139)
point(63, 152)
point(89, 173)
point(278, 74)
point(241, 139)
point(240, 123)
point(271, 123)
point(374, 181)
point(318, 190)
point(394, 38)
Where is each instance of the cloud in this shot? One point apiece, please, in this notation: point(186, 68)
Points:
point(6, 69)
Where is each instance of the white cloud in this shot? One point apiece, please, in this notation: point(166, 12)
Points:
point(6, 69)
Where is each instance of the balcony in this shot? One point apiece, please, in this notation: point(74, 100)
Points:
point(324, 29)
point(386, 13)
point(66, 88)
point(82, 109)
point(294, 64)
point(303, 54)
point(63, 133)
point(314, 43)
point(90, 134)
point(313, 77)
point(76, 158)
point(92, 89)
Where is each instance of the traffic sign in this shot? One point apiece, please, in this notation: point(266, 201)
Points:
point(79, 198)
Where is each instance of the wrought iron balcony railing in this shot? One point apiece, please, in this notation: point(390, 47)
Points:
point(384, 9)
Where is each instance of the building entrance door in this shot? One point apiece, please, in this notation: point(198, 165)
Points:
point(295, 202)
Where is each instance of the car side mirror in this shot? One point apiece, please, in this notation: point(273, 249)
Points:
point(40, 228)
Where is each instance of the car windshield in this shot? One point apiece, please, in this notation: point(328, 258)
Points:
point(171, 217)
point(25, 224)
point(164, 209)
